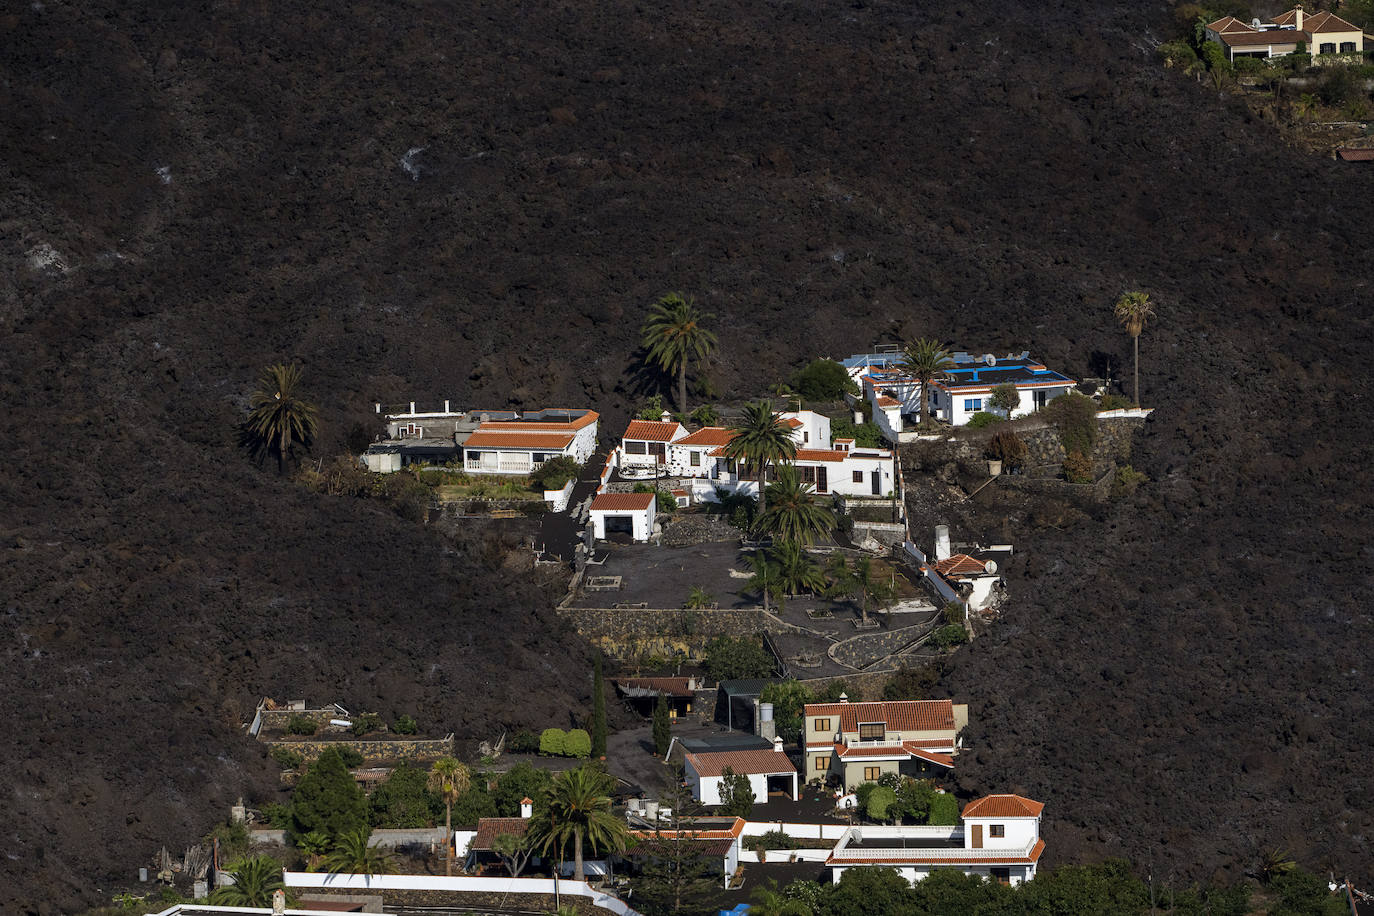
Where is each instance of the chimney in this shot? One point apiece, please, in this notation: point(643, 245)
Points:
point(844, 698)
point(378, 405)
point(767, 728)
point(446, 410)
point(777, 745)
point(412, 406)
point(941, 543)
point(527, 807)
point(1297, 20)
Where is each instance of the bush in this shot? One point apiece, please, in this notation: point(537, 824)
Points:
point(1176, 53)
point(577, 743)
point(862, 791)
point(824, 380)
point(553, 742)
point(301, 725)
point(951, 634)
point(405, 725)
point(351, 758)
point(1078, 468)
point(982, 419)
point(728, 658)
point(1127, 480)
point(287, 758)
point(1075, 417)
point(865, 435)
point(774, 839)
point(944, 810)
point(1005, 398)
point(1215, 57)
point(555, 473)
point(652, 409)
point(367, 722)
point(404, 799)
point(1249, 66)
point(327, 799)
point(277, 815)
point(1009, 448)
point(523, 742)
point(736, 794)
point(1116, 401)
point(880, 799)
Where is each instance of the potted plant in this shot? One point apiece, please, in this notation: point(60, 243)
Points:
point(1005, 449)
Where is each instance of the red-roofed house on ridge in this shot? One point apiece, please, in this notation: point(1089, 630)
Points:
point(999, 838)
point(1321, 34)
point(853, 743)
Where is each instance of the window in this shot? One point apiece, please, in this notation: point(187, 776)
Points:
point(872, 774)
point(872, 732)
point(1001, 875)
point(1347, 47)
point(806, 437)
point(858, 476)
point(474, 456)
point(823, 764)
point(1328, 47)
point(973, 403)
point(656, 449)
point(696, 459)
point(822, 725)
point(635, 448)
point(997, 830)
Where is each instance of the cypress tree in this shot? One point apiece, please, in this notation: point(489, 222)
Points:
point(663, 726)
point(598, 710)
point(328, 800)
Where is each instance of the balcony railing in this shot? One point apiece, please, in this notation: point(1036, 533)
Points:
point(951, 853)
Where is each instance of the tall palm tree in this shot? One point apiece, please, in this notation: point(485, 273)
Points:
point(578, 811)
point(1133, 310)
point(794, 514)
point(353, 854)
point(796, 572)
point(767, 578)
point(674, 336)
point(279, 420)
point(859, 581)
point(925, 361)
point(255, 880)
point(761, 438)
point(450, 779)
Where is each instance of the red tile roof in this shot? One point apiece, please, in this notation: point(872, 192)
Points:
point(1229, 24)
point(652, 431)
point(710, 833)
point(663, 846)
point(1316, 22)
point(489, 828)
point(585, 420)
point(1275, 38)
point(708, 436)
point(622, 502)
point(794, 422)
point(1356, 155)
point(517, 439)
point(754, 763)
point(1003, 806)
point(818, 454)
point(900, 715)
point(885, 401)
point(961, 564)
point(909, 748)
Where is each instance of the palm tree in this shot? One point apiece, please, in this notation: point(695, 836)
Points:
point(796, 572)
point(315, 845)
point(858, 581)
point(673, 335)
point(926, 362)
point(698, 598)
point(450, 779)
point(255, 880)
point(767, 900)
point(793, 512)
point(1306, 106)
point(278, 419)
point(353, 854)
point(1133, 310)
point(761, 438)
point(578, 810)
point(767, 578)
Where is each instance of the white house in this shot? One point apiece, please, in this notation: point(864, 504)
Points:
point(624, 513)
point(809, 429)
point(768, 771)
point(521, 443)
point(998, 838)
point(1318, 33)
point(646, 446)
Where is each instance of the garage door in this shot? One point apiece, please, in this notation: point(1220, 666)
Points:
point(620, 524)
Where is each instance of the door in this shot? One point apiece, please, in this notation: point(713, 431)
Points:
point(1040, 399)
point(877, 483)
point(822, 481)
point(977, 836)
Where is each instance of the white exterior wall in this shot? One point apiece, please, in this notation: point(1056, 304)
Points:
point(706, 789)
point(949, 406)
point(643, 521)
point(814, 431)
point(841, 476)
point(1021, 831)
point(912, 874)
point(387, 463)
point(583, 445)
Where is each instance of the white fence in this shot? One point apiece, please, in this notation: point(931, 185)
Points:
point(796, 831)
point(1125, 413)
point(547, 887)
point(782, 856)
point(558, 499)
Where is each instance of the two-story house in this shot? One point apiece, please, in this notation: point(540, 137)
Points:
point(998, 838)
point(853, 743)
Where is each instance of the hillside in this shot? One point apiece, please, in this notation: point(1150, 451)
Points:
point(474, 201)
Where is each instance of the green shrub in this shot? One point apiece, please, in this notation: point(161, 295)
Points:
point(736, 794)
point(556, 472)
point(652, 409)
point(367, 722)
point(728, 658)
point(1009, 448)
point(1215, 57)
point(982, 419)
point(1127, 480)
point(944, 810)
point(951, 634)
point(405, 725)
point(327, 799)
point(523, 742)
point(553, 742)
point(880, 799)
point(351, 758)
point(1116, 401)
point(954, 613)
point(1249, 66)
point(666, 502)
point(1005, 398)
point(862, 791)
point(301, 725)
point(865, 435)
point(287, 758)
point(577, 743)
point(824, 380)
point(277, 815)
point(775, 839)
point(1176, 53)
point(1078, 468)
point(1075, 417)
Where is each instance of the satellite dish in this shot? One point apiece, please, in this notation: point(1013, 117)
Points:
point(1255, 23)
point(990, 566)
point(989, 359)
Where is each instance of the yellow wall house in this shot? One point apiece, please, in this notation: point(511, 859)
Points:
point(860, 742)
point(1320, 33)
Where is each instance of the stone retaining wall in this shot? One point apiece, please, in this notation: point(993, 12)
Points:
point(1045, 458)
point(388, 749)
point(533, 903)
point(632, 633)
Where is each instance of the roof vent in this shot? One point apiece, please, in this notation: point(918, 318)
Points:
point(844, 698)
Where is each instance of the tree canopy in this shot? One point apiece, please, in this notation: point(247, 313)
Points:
point(674, 336)
point(280, 421)
point(327, 799)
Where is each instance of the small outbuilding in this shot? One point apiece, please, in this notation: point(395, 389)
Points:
point(769, 772)
point(629, 514)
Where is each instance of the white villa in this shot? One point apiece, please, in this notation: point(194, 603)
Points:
point(769, 771)
point(1319, 33)
point(999, 838)
point(517, 443)
point(966, 389)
